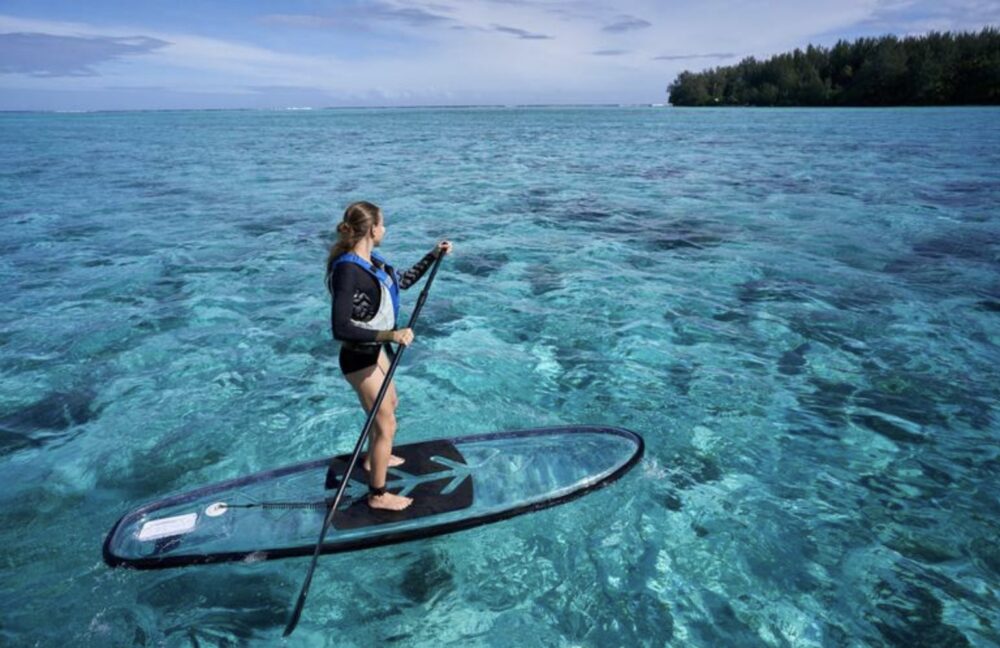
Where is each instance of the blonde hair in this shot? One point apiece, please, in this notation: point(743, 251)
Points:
point(359, 219)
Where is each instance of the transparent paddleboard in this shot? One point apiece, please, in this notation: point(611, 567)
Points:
point(456, 484)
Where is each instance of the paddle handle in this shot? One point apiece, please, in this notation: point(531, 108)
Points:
point(301, 601)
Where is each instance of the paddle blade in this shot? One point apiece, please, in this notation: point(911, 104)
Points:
point(299, 605)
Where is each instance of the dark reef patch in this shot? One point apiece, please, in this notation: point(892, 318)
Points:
point(907, 404)
point(909, 615)
point(731, 316)
point(481, 265)
point(46, 420)
point(243, 605)
point(683, 234)
point(888, 429)
point(11, 442)
point(773, 290)
point(692, 469)
point(970, 244)
point(147, 475)
point(723, 627)
point(681, 377)
point(56, 411)
point(792, 362)
point(828, 400)
point(544, 279)
point(426, 577)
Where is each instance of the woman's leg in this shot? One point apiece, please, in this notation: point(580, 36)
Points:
point(390, 401)
point(367, 382)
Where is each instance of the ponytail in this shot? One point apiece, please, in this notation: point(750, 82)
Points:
point(359, 219)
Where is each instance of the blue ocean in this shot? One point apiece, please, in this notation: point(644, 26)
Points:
point(799, 310)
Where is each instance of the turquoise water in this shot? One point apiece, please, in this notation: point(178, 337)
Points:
point(798, 309)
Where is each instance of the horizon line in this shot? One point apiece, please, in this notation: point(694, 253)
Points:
point(359, 107)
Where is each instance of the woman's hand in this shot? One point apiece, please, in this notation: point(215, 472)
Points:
point(444, 247)
point(403, 336)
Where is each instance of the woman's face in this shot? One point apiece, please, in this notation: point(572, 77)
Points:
point(379, 230)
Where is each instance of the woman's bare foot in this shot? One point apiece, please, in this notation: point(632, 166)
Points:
point(393, 462)
point(389, 502)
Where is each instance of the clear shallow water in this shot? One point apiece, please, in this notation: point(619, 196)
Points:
point(799, 310)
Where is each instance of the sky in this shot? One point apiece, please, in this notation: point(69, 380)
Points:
point(126, 55)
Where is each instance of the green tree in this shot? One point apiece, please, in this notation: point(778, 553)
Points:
point(934, 69)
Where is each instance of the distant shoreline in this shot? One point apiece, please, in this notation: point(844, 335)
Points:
point(933, 70)
point(326, 108)
point(110, 111)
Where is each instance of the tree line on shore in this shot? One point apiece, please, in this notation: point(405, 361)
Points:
point(939, 68)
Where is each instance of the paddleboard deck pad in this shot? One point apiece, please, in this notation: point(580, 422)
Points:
point(433, 473)
point(456, 484)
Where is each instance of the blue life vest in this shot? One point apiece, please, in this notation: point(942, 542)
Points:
point(389, 285)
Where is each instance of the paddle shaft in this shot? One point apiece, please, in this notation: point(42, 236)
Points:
point(300, 603)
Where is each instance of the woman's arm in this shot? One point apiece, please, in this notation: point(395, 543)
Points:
point(344, 283)
point(414, 274)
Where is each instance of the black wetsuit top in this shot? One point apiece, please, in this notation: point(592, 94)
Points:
point(357, 295)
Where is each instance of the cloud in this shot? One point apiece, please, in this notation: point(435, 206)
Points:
point(281, 88)
point(48, 55)
point(904, 17)
point(520, 33)
point(412, 15)
point(184, 62)
point(626, 23)
point(303, 21)
point(687, 57)
point(610, 52)
point(368, 15)
point(292, 95)
point(137, 88)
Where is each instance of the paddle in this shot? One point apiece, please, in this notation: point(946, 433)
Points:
point(301, 602)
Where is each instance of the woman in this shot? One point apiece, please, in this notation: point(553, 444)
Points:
point(365, 293)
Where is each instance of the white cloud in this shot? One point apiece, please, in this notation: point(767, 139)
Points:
point(904, 17)
point(191, 53)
